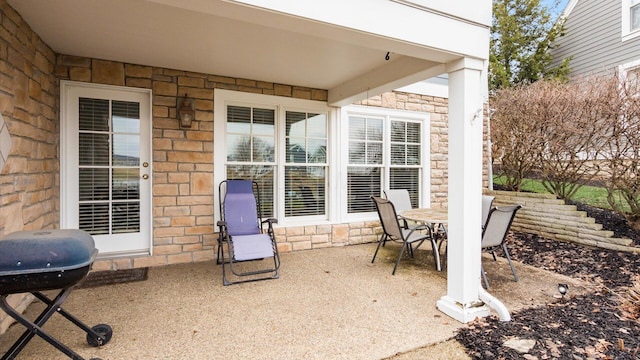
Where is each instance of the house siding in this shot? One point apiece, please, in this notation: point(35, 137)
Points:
point(594, 39)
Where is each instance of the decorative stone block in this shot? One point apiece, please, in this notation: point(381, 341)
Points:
point(5, 143)
point(107, 72)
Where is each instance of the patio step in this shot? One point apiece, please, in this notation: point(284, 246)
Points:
point(551, 218)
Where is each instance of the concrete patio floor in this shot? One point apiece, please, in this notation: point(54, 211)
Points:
point(328, 304)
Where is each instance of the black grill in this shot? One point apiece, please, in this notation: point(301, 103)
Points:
point(35, 261)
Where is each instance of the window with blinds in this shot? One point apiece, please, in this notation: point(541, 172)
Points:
point(406, 150)
point(369, 169)
point(109, 159)
point(305, 163)
point(251, 154)
point(364, 173)
point(251, 133)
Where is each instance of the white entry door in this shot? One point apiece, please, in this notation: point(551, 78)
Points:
point(106, 166)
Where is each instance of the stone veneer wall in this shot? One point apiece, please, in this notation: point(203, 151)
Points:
point(183, 159)
point(29, 135)
point(183, 189)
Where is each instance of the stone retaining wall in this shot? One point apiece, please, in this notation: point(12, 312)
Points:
point(551, 218)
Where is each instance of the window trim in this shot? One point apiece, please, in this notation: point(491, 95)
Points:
point(625, 20)
point(625, 68)
point(387, 114)
point(223, 97)
point(111, 245)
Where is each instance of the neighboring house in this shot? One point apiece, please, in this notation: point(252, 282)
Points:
point(300, 98)
point(601, 37)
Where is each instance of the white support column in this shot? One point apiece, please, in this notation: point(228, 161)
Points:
point(465, 191)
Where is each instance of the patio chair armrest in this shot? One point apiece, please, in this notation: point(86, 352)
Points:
point(270, 221)
point(421, 227)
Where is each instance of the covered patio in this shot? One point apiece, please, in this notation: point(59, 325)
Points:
point(328, 304)
point(316, 59)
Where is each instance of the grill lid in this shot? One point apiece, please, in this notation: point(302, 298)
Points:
point(25, 252)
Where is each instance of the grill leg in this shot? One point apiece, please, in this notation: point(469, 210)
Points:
point(35, 328)
point(100, 339)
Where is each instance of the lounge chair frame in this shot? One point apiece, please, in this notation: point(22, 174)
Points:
point(259, 236)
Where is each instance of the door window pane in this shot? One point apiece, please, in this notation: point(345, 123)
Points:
point(93, 114)
point(126, 150)
point(109, 159)
point(126, 217)
point(126, 117)
point(93, 184)
point(93, 149)
point(126, 184)
point(94, 218)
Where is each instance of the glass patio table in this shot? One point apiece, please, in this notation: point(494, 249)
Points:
point(426, 215)
point(436, 219)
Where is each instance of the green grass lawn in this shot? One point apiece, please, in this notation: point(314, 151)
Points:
point(589, 195)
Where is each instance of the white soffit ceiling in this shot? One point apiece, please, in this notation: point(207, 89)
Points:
point(149, 33)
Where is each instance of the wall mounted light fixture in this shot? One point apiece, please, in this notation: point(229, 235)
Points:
point(186, 112)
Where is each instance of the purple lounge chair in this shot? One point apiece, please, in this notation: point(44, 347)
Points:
point(241, 233)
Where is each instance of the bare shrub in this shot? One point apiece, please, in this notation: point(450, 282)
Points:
point(568, 134)
point(546, 127)
point(621, 158)
point(514, 123)
point(571, 140)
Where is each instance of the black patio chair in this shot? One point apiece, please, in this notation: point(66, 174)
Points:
point(495, 233)
point(393, 231)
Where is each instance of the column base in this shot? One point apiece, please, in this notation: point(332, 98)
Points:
point(464, 315)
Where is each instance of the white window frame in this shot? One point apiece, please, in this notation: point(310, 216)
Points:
point(387, 114)
point(627, 33)
point(625, 68)
point(223, 98)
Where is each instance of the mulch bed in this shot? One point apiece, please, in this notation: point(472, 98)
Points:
point(590, 326)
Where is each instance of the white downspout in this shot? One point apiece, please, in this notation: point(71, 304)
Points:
point(489, 154)
point(495, 304)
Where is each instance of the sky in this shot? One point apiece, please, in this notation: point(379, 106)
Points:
point(555, 10)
